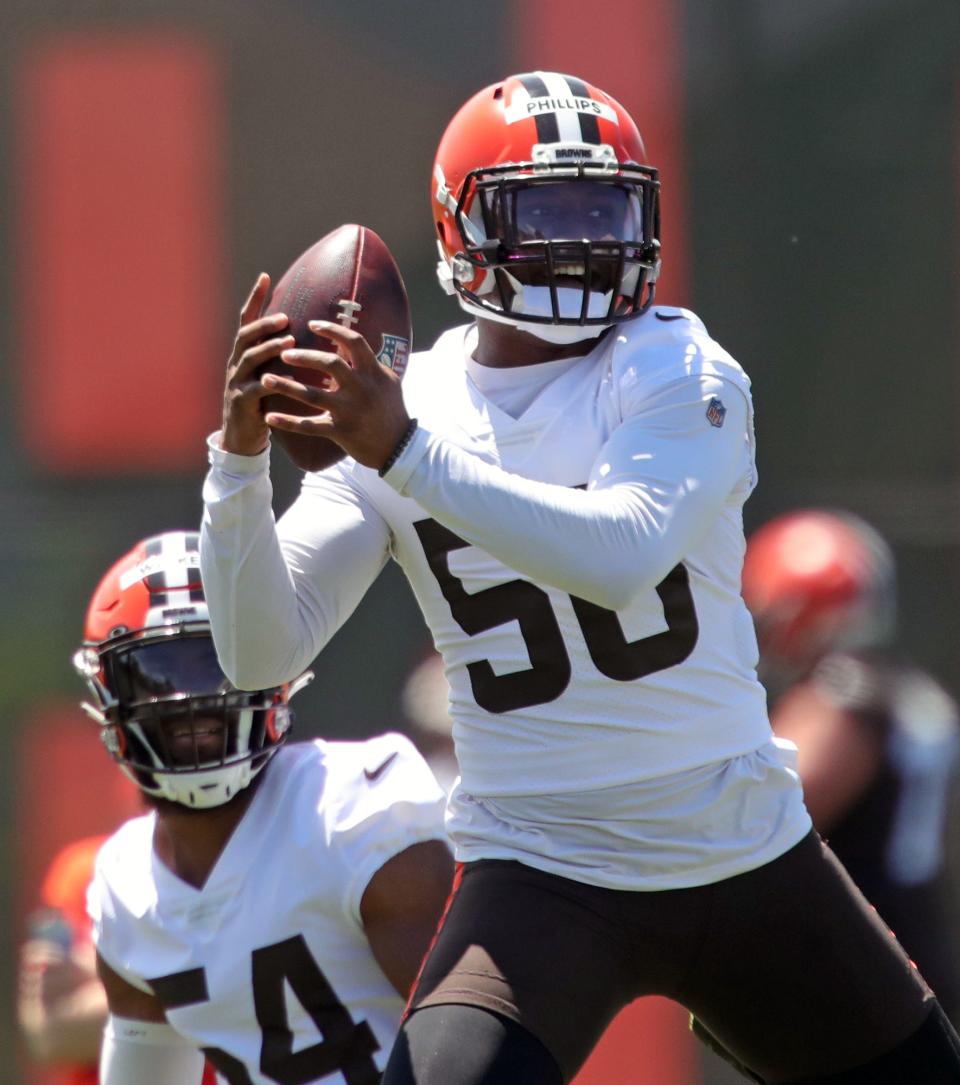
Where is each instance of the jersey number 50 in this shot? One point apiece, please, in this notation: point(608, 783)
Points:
point(549, 672)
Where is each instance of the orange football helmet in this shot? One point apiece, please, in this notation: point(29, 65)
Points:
point(546, 214)
point(168, 714)
point(816, 582)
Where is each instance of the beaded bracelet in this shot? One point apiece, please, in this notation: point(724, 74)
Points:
point(400, 446)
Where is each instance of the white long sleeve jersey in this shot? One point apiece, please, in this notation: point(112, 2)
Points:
point(266, 967)
point(578, 565)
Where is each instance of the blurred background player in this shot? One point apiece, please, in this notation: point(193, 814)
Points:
point(61, 1004)
point(878, 738)
point(272, 909)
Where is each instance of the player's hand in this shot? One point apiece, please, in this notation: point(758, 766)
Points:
point(61, 1004)
point(48, 973)
point(259, 340)
point(361, 408)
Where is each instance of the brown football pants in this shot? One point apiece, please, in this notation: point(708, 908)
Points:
point(787, 965)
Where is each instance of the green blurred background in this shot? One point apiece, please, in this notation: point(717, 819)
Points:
point(819, 143)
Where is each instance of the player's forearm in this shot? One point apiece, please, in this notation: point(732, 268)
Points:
point(606, 545)
point(147, 1053)
point(584, 544)
point(278, 592)
point(261, 634)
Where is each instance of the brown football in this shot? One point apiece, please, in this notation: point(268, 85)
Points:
point(348, 277)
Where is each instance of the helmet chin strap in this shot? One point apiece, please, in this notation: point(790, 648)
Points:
point(536, 301)
point(202, 789)
point(562, 335)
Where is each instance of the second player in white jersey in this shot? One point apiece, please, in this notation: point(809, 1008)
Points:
point(266, 968)
point(270, 913)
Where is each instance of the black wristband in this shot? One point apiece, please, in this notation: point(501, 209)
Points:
point(399, 447)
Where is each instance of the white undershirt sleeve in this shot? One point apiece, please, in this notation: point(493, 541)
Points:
point(147, 1053)
point(277, 592)
point(654, 489)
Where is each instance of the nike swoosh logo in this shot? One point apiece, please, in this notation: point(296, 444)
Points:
point(667, 316)
point(375, 774)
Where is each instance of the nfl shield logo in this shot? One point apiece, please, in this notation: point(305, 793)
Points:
point(716, 412)
point(393, 353)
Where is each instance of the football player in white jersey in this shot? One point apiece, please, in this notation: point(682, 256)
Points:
point(270, 912)
point(562, 482)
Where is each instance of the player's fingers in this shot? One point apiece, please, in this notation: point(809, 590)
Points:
point(258, 330)
point(259, 354)
point(252, 390)
point(350, 344)
point(331, 364)
point(275, 384)
point(243, 408)
point(318, 425)
point(38, 953)
point(253, 306)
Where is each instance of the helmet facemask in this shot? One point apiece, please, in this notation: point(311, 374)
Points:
point(173, 722)
point(562, 251)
